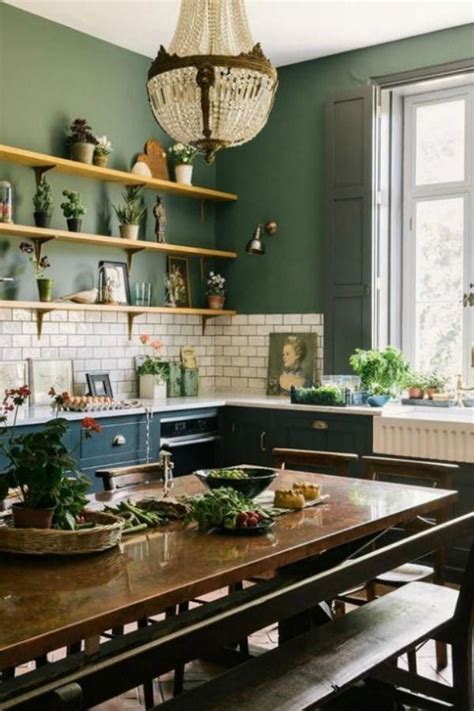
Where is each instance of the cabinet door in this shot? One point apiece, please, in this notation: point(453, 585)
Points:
point(246, 436)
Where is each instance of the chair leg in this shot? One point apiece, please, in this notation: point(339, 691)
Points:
point(244, 643)
point(370, 587)
point(411, 657)
point(339, 608)
point(462, 676)
point(178, 685)
point(441, 655)
point(41, 661)
point(148, 695)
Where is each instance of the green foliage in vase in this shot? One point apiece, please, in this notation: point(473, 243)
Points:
point(325, 395)
point(72, 207)
point(133, 211)
point(43, 198)
point(153, 364)
point(382, 372)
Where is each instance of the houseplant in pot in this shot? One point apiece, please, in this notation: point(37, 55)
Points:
point(415, 384)
point(102, 151)
point(73, 210)
point(131, 214)
point(182, 157)
point(40, 263)
point(215, 291)
point(382, 373)
point(82, 141)
point(43, 203)
point(39, 469)
point(434, 383)
point(153, 372)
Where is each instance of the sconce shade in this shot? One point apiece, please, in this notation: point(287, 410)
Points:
point(255, 245)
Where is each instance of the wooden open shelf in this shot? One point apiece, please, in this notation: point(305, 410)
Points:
point(71, 167)
point(41, 235)
point(45, 307)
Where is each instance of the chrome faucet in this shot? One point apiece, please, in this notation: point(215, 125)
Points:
point(166, 463)
point(460, 389)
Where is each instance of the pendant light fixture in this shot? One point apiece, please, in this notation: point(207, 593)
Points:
point(214, 88)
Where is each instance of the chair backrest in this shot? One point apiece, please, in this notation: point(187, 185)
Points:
point(337, 463)
point(434, 473)
point(124, 477)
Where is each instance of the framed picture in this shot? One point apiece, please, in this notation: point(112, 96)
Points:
point(291, 362)
point(13, 374)
point(179, 290)
point(114, 286)
point(99, 384)
point(46, 374)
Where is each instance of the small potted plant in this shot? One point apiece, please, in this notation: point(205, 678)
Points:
point(415, 384)
point(43, 203)
point(82, 141)
point(434, 383)
point(131, 214)
point(215, 291)
point(73, 210)
point(39, 469)
point(102, 151)
point(153, 372)
point(40, 263)
point(382, 373)
point(182, 157)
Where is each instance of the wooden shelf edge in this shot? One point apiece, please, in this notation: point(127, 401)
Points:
point(137, 310)
point(33, 159)
point(42, 233)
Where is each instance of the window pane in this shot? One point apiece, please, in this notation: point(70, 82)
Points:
point(439, 284)
point(440, 142)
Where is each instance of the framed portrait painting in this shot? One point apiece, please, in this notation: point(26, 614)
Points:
point(47, 374)
point(291, 362)
point(177, 282)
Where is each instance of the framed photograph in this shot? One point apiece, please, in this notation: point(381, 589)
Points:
point(291, 362)
point(99, 384)
point(46, 374)
point(179, 289)
point(114, 285)
point(13, 374)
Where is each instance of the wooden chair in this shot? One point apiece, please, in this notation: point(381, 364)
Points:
point(117, 478)
point(305, 459)
point(304, 672)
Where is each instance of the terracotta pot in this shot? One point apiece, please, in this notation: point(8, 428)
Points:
point(83, 152)
point(415, 393)
point(42, 219)
point(74, 224)
point(32, 518)
point(215, 301)
point(129, 231)
point(430, 392)
point(45, 288)
point(100, 160)
point(183, 173)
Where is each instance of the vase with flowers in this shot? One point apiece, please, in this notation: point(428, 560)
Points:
point(215, 291)
point(102, 151)
point(182, 157)
point(153, 372)
point(40, 469)
point(40, 263)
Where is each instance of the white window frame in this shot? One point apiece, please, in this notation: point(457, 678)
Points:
point(412, 194)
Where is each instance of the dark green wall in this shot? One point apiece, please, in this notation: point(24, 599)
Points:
point(280, 174)
point(49, 75)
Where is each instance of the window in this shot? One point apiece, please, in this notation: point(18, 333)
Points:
point(437, 245)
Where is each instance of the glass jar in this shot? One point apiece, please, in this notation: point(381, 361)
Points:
point(6, 201)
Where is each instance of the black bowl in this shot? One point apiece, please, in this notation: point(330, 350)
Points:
point(259, 479)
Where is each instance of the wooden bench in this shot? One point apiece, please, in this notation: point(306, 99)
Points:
point(300, 674)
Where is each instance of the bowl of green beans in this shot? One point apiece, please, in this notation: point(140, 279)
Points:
point(248, 480)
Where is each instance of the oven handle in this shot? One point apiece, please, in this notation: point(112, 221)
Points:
point(187, 441)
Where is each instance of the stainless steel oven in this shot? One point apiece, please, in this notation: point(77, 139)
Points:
point(192, 440)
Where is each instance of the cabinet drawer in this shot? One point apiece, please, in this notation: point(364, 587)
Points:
point(119, 439)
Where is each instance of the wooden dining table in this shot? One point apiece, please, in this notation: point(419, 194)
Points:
point(49, 602)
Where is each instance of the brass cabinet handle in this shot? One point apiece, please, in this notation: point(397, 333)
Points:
point(263, 436)
point(319, 425)
point(118, 441)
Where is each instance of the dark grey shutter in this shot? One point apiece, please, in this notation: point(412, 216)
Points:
point(349, 196)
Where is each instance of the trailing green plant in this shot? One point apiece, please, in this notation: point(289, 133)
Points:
point(43, 197)
point(435, 380)
point(72, 207)
point(134, 209)
point(39, 263)
point(153, 364)
point(182, 154)
point(382, 372)
point(81, 132)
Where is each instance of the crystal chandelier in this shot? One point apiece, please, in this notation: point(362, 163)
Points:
point(214, 88)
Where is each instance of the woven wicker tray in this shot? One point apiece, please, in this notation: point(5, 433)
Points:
point(38, 541)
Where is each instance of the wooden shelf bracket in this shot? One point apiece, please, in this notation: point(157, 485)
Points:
point(40, 313)
point(40, 170)
point(131, 317)
point(131, 253)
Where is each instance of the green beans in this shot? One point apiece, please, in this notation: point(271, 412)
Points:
point(227, 474)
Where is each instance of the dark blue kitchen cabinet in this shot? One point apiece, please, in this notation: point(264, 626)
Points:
point(246, 436)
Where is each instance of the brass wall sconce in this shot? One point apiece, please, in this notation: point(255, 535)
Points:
point(255, 245)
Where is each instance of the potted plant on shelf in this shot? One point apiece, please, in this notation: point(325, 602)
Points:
point(153, 372)
point(382, 373)
point(434, 383)
point(73, 210)
point(182, 157)
point(102, 151)
point(131, 214)
point(43, 203)
point(415, 384)
point(82, 141)
point(39, 469)
point(215, 291)
point(40, 263)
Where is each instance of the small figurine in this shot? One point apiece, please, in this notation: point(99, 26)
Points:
point(159, 213)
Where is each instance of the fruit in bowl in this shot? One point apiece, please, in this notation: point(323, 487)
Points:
point(247, 480)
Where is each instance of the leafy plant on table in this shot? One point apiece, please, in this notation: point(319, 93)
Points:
point(223, 508)
point(382, 372)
